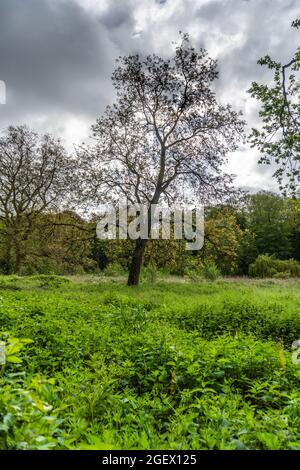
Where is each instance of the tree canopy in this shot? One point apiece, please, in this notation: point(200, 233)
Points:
point(278, 139)
point(165, 138)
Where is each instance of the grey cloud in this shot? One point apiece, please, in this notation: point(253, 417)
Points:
point(118, 15)
point(56, 57)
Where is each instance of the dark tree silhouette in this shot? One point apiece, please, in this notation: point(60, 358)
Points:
point(165, 138)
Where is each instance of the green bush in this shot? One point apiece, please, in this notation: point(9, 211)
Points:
point(114, 269)
point(282, 275)
point(291, 266)
point(150, 273)
point(50, 280)
point(211, 272)
point(269, 266)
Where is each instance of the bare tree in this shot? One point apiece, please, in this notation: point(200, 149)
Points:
point(33, 179)
point(164, 139)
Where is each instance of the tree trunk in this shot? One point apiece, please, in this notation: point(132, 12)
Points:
point(8, 263)
point(18, 258)
point(136, 262)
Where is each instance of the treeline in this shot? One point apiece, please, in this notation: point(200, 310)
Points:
point(236, 237)
point(164, 140)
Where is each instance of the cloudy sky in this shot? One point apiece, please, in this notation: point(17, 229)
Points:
point(56, 57)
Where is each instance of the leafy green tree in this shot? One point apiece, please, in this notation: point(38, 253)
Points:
point(279, 138)
point(270, 224)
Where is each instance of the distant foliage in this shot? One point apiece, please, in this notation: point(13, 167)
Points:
point(223, 237)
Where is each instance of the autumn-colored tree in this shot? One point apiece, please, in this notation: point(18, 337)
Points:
point(223, 237)
point(33, 179)
point(59, 243)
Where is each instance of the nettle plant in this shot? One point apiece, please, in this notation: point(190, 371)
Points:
point(26, 418)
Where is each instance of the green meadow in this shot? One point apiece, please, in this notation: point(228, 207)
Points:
point(93, 364)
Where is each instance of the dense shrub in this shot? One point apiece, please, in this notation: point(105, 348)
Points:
point(211, 272)
point(150, 273)
point(269, 266)
point(114, 269)
point(50, 280)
